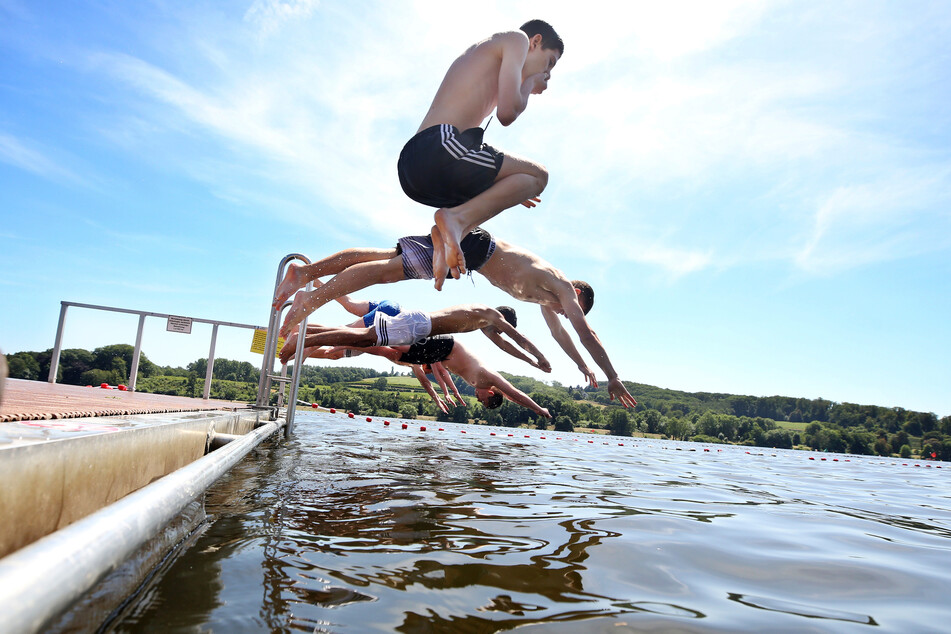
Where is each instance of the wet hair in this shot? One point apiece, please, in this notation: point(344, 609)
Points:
point(550, 39)
point(586, 297)
point(509, 314)
point(494, 401)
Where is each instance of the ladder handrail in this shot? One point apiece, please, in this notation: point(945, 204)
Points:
point(270, 348)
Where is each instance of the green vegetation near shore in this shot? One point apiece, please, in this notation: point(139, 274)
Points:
point(773, 421)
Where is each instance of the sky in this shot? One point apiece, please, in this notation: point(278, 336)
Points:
point(759, 192)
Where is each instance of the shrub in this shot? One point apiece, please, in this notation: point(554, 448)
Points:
point(563, 423)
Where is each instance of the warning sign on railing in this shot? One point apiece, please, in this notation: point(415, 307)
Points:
point(179, 324)
point(259, 339)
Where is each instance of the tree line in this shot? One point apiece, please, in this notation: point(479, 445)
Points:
point(774, 421)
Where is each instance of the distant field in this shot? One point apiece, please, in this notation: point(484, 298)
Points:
point(794, 426)
point(401, 383)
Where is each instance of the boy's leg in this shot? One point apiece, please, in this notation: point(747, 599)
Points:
point(349, 280)
point(297, 275)
point(344, 336)
point(519, 181)
point(289, 349)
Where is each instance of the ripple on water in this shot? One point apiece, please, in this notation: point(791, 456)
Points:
point(351, 526)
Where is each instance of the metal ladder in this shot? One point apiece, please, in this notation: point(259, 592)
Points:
point(270, 352)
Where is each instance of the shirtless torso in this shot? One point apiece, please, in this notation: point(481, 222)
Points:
point(489, 74)
point(526, 277)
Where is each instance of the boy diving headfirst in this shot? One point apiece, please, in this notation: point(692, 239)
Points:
point(411, 328)
point(446, 164)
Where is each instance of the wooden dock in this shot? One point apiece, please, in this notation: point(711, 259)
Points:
point(39, 400)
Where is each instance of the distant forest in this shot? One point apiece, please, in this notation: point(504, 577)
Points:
point(773, 421)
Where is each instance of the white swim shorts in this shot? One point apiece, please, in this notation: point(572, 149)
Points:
point(404, 329)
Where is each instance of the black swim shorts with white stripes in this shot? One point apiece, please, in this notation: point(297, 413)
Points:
point(442, 167)
point(417, 253)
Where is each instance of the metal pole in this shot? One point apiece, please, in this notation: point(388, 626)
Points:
point(267, 364)
point(211, 362)
point(41, 580)
point(295, 383)
point(281, 386)
point(134, 372)
point(58, 345)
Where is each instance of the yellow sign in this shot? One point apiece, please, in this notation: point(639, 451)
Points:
point(259, 339)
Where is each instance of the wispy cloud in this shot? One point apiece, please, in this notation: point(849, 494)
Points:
point(269, 15)
point(681, 103)
point(18, 153)
point(908, 213)
point(139, 242)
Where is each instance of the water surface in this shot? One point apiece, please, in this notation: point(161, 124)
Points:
point(353, 526)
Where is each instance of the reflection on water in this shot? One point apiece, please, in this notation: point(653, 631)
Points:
point(353, 527)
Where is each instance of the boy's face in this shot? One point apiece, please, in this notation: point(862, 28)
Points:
point(539, 60)
point(483, 394)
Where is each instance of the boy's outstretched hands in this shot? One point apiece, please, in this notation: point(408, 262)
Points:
point(619, 393)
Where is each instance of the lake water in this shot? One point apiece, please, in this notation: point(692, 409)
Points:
point(353, 526)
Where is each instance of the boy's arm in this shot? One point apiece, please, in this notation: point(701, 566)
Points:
point(564, 340)
point(592, 344)
point(513, 393)
point(440, 371)
point(513, 92)
point(322, 352)
point(387, 352)
point(496, 338)
point(428, 386)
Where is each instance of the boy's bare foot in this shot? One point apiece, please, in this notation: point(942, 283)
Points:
point(451, 230)
point(439, 257)
point(296, 313)
point(290, 347)
point(293, 280)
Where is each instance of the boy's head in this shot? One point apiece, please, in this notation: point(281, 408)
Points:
point(508, 313)
point(585, 295)
point(550, 39)
point(490, 398)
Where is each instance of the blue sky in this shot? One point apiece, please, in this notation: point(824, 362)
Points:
point(760, 193)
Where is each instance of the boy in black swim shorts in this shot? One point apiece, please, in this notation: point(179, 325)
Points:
point(446, 164)
point(362, 267)
point(417, 253)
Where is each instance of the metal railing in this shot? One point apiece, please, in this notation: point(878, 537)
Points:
point(38, 581)
point(270, 351)
point(134, 370)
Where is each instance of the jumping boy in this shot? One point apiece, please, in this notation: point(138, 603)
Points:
point(446, 164)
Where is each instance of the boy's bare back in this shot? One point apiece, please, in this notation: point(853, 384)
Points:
point(525, 276)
